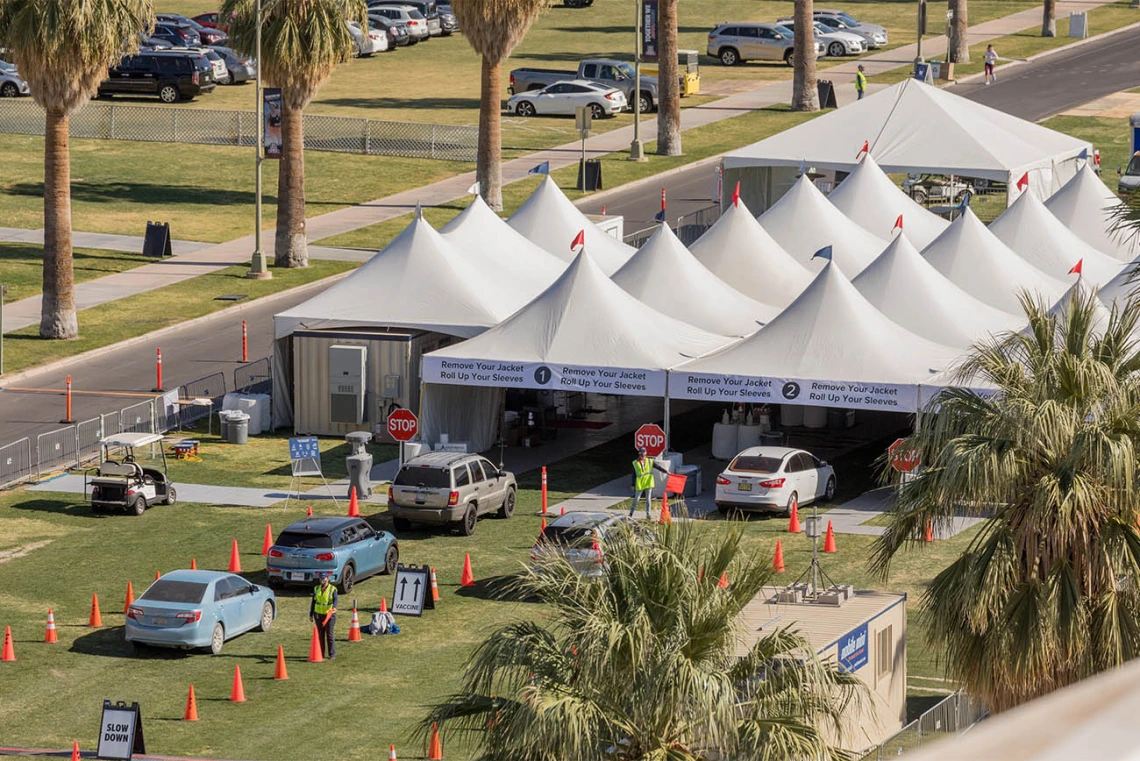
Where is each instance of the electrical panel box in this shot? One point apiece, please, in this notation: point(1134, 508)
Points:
point(347, 366)
point(391, 387)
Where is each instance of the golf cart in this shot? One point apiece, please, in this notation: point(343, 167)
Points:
point(931, 188)
point(123, 484)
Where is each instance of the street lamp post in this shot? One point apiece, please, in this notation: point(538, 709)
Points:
point(258, 268)
point(637, 148)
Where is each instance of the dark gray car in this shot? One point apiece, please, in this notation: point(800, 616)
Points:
point(451, 489)
point(241, 69)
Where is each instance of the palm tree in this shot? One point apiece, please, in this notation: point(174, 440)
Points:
point(1048, 591)
point(805, 95)
point(302, 41)
point(1049, 19)
point(958, 45)
point(63, 49)
point(493, 28)
point(668, 84)
point(641, 663)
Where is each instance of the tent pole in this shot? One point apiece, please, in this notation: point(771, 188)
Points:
point(667, 411)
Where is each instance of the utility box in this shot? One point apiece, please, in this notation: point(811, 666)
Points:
point(359, 464)
point(346, 383)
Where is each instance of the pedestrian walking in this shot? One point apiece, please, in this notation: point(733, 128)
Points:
point(322, 612)
point(643, 468)
point(860, 82)
point(991, 59)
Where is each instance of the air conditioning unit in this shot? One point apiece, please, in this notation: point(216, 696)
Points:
point(346, 383)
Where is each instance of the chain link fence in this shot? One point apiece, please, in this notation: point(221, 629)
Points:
point(952, 716)
point(178, 124)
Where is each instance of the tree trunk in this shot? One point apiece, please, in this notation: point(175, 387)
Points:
point(57, 308)
point(1049, 19)
point(488, 166)
point(805, 96)
point(291, 249)
point(668, 85)
point(958, 48)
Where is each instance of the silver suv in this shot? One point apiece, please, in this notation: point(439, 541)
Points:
point(737, 43)
point(450, 488)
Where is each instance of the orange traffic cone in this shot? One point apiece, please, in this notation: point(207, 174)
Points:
point(280, 672)
point(596, 546)
point(543, 526)
point(267, 542)
point(778, 561)
point(237, 694)
point(50, 635)
point(665, 519)
point(74, 750)
point(309, 512)
point(829, 540)
point(191, 713)
point(562, 511)
point(96, 618)
point(235, 561)
point(435, 748)
point(129, 599)
point(794, 521)
point(9, 653)
point(468, 578)
point(723, 581)
point(383, 604)
point(391, 753)
point(700, 574)
point(928, 535)
point(157, 575)
point(315, 648)
point(354, 628)
point(434, 587)
point(193, 564)
point(353, 507)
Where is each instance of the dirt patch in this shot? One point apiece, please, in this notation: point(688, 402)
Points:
point(19, 552)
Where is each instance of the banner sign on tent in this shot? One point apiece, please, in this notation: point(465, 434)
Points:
point(816, 393)
point(551, 375)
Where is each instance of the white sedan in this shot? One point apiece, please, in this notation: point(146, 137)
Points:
point(366, 44)
point(772, 478)
point(565, 97)
point(837, 42)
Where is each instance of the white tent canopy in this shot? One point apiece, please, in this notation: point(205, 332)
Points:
point(830, 347)
point(1039, 238)
point(1122, 287)
point(871, 199)
point(907, 289)
point(1101, 313)
point(665, 276)
point(1085, 205)
point(915, 127)
point(494, 245)
point(804, 221)
point(549, 219)
point(418, 281)
point(742, 253)
point(972, 257)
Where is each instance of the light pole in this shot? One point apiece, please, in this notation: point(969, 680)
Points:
point(636, 148)
point(258, 268)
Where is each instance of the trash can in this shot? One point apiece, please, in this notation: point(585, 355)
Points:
point(693, 485)
point(359, 464)
point(223, 423)
point(590, 175)
point(772, 439)
point(237, 429)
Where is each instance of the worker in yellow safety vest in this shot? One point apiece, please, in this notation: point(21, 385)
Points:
point(860, 82)
point(643, 468)
point(322, 612)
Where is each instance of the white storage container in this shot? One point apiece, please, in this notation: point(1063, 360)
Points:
point(791, 415)
point(724, 440)
point(747, 436)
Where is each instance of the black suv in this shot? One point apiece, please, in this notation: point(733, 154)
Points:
point(170, 74)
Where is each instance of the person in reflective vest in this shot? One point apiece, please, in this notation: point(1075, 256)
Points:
point(860, 82)
point(322, 612)
point(643, 468)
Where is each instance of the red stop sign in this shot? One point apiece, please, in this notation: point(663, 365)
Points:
point(904, 458)
point(651, 437)
point(403, 425)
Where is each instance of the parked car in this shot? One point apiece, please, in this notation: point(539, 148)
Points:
point(172, 75)
point(577, 3)
point(573, 535)
point(209, 35)
point(607, 71)
point(179, 35)
point(426, 8)
point(836, 42)
point(875, 35)
point(191, 609)
point(11, 84)
point(119, 482)
point(448, 22)
point(218, 68)
point(737, 43)
point(367, 43)
point(406, 15)
point(146, 42)
point(398, 33)
point(450, 488)
point(773, 478)
point(564, 98)
point(240, 69)
point(1129, 181)
point(344, 549)
point(214, 20)
point(935, 188)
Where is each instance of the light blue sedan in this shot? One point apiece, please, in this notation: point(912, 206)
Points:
point(189, 609)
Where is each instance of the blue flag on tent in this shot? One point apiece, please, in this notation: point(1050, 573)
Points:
point(1084, 154)
point(823, 253)
point(966, 194)
point(659, 216)
point(543, 168)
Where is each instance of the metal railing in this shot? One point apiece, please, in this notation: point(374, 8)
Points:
point(688, 227)
point(254, 378)
point(952, 716)
point(179, 124)
point(212, 387)
point(16, 462)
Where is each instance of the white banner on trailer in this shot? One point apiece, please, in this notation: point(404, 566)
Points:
point(562, 377)
point(820, 393)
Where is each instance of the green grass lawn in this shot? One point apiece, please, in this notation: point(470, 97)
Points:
point(22, 266)
point(1111, 136)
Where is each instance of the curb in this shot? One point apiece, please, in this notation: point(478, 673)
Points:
point(7, 380)
point(635, 184)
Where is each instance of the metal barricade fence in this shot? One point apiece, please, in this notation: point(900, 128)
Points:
point(87, 437)
point(637, 239)
point(694, 224)
point(109, 423)
point(254, 378)
point(212, 387)
point(180, 124)
point(138, 418)
point(16, 463)
point(952, 716)
point(55, 450)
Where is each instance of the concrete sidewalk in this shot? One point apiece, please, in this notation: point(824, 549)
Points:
point(210, 258)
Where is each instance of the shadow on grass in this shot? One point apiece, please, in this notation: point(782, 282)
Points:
point(496, 589)
point(111, 643)
point(149, 194)
point(60, 507)
point(408, 103)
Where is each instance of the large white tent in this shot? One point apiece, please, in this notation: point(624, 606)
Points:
point(1039, 238)
point(665, 276)
point(549, 219)
point(972, 257)
point(1082, 289)
point(870, 198)
point(911, 127)
point(742, 253)
point(830, 348)
point(1086, 206)
point(907, 289)
point(804, 221)
point(494, 245)
point(1122, 287)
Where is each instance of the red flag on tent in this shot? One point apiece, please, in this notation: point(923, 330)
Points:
point(898, 224)
point(579, 240)
point(736, 194)
point(1077, 267)
point(1023, 183)
point(865, 149)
